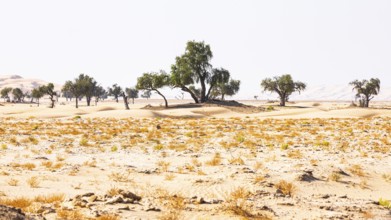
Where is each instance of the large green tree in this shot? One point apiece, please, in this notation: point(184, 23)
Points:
point(154, 82)
point(366, 90)
point(194, 67)
point(283, 85)
point(5, 93)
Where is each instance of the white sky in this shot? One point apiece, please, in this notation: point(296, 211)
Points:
point(318, 42)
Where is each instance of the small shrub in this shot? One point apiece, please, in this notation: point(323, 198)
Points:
point(286, 188)
point(216, 160)
point(33, 182)
point(385, 203)
point(336, 177)
point(13, 182)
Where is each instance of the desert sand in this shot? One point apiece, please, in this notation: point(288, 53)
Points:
point(310, 160)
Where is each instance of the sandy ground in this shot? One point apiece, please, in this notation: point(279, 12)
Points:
point(309, 160)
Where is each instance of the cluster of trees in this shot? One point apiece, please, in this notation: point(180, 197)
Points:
point(36, 93)
point(86, 86)
point(192, 73)
point(284, 86)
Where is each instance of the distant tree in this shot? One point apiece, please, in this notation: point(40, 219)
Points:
point(37, 93)
point(132, 93)
point(366, 90)
point(221, 90)
point(28, 95)
point(194, 67)
point(49, 90)
point(99, 93)
point(256, 97)
point(89, 86)
point(230, 88)
point(154, 82)
point(67, 94)
point(18, 94)
point(5, 93)
point(115, 91)
point(146, 94)
point(74, 88)
point(283, 85)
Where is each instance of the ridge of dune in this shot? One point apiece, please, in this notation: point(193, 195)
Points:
point(26, 84)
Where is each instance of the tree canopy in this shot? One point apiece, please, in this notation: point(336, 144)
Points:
point(115, 91)
point(366, 90)
point(5, 93)
point(17, 94)
point(154, 82)
point(132, 93)
point(283, 85)
point(194, 67)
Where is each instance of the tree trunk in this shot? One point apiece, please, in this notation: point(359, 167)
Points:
point(203, 90)
point(133, 101)
point(52, 100)
point(116, 99)
point(125, 101)
point(38, 102)
point(222, 96)
point(88, 101)
point(282, 100)
point(165, 100)
point(77, 102)
point(185, 89)
point(367, 102)
point(208, 94)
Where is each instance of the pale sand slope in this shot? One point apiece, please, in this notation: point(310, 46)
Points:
point(130, 154)
point(116, 110)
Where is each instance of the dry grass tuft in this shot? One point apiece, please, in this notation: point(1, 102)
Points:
point(108, 217)
point(216, 160)
point(357, 170)
point(70, 214)
point(286, 188)
point(19, 202)
point(33, 182)
point(13, 182)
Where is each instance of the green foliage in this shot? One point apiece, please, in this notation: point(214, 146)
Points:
point(115, 91)
point(18, 94)
point(284, 147)
point(229, 88)
point(132, 93)
point(5, 93)
point(270, 108)
point(37, 93)
point(146, 94)
point(99, 93)
point(153, 82)
point(283, 85)
point(385, 203)
point(194, 67)
point(366, 90)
